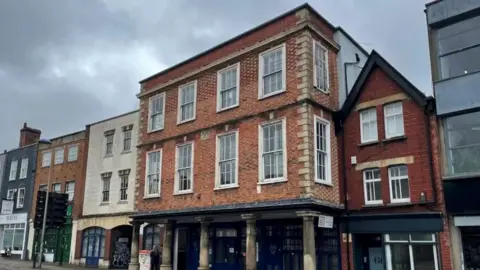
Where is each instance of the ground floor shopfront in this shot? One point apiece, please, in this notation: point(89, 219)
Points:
point(13, 233)
point(103, 241)
point(278, 239)
point(395, 241)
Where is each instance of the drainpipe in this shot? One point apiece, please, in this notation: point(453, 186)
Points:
point(345, 192)
point(427, 111)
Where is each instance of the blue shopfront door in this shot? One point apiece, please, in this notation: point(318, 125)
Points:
point(227, 253)
point(93, 245)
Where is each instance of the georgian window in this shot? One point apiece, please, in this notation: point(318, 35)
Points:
point(272, 65)
point(322, 151)
point(156, 112)
point(320, 54)
point(228, 82)
point(187, 99)
point(154, 168)
point(184, 168)
point(59, 155)
point(227, 158)
point(72, 153)
point(46, 159)
point(13, 170)
point(24, 168)
point(272, 151)
point(106, 186)
point(20, 197)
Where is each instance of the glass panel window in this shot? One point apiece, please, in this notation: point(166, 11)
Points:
point(273, 151)
point(394, 120)
point(106, 189)
point(187, 98)
point(59, 153)
point(460, 63)
point(46, 159)
point(399, 185)
point(109, 144)
point(123, 187)
point(10, 194)
point(13, 236)
point(227, 159)
point(228, 82)
point(372, 184)
point(368, 125)
point(24, 168)
point(70, 190)
point(154, 161)
point(322, 153)
point(127, 140)
point(20, 197)
point(57, 188)
point(184, 176)
point(272, 70)
point(406, 253)
point(73, 153)
point(156, 112)
point(151, 236)
point(463, 143)
point(321, 67)
point(13, 169)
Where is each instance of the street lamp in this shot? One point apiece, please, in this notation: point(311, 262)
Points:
point(48, 143)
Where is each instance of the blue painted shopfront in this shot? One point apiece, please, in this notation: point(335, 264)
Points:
point(279, 246)
point(93, 245)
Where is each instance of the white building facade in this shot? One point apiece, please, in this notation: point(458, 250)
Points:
point(104, 233)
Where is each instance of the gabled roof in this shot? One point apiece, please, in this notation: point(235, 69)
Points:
point(373, 61)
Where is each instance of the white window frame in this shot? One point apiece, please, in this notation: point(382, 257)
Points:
point(261, 179)
point(125, 138)
point(192, 159)
point(387, 133)
point(328, 166)
point(70, 156)
point(18, 198)
point(106, 143)
point(55, 162)
point(218, 184)
point(219, 87)
point(24, 168)
point(315, 72)
point(147, 173)
point(410, 242)
point(179, 109)
point(369, 110)
point(68, 191)
point(12, 193)
point(150, 101)
point(105, 180)
point(398, 178)
point(124, 190)
point(57, 185)
point(284, 71)
point(367, 181)
point(13, 170)
point(49, 153)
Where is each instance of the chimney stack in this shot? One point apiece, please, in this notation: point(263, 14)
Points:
point(28, 135)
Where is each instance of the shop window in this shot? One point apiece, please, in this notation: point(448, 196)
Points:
point(416, 251)
point(151, 236)
point(13, 236)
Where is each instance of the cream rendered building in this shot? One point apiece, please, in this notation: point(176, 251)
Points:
point(104, 234)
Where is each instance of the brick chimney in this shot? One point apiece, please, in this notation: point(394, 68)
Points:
point(28, 135)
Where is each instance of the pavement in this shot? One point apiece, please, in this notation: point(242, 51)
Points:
point(13, 264)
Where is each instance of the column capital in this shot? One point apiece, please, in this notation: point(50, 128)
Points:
point(204, 220)
point(248, 217)
point(307, 213)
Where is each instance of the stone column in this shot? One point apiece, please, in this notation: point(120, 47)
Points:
point(309, 254)
point(134, 265)
point(204, 225)
point(167, 247)
point(251, 256)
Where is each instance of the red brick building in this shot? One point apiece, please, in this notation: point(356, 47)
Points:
point(237, 153)
point(394, 208)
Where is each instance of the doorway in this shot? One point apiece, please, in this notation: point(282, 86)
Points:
point(93, 245)
point(370, 252)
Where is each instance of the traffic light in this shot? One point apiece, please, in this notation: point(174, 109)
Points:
point(57, 209)
point(40, 209)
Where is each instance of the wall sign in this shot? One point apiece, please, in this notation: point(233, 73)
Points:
point(325, 221)
point(7, 207)
point(13, 219)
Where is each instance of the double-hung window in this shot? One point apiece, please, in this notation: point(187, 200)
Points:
point(320, 70)
point(59, 154)
point(57, 188)
point(20, 197)
point(372, 186)
point(399, 184)
point(46, 159)
point(393, 120)
point(415, 251)
point(184, 168)
point(322, 151)
point(272, 151)
point(156, 112)
point(24, 168)
point(227, 158)
point(127, 138)
point(13, 170)
point(106, 186)
point(187, 96)
point(228, 82)
point(70, 190)
point(109, 142)
point(154, 168)
point(272, 70)
point(72, 153)
point(368, 125)
point(10, 194)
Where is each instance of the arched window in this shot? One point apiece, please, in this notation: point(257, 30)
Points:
point(93, 244)
point(151, 236)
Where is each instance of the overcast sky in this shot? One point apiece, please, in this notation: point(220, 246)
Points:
point(68, 63)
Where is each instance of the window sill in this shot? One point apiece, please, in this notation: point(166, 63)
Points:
point(108, 156)
point(395, 204)
point(363, 144)
point(151, 197)
point(154, 130)
point(122, 202)
point(226, 187)
point(394, 139)
point(272, 94)
point(179, 193)
point(126, 152)
point(268, 182)
point(227, 108)
point(326, 92)
point(104, 203)
point(71, 161)
point(185, 121)
point(325, 183)
point(373, 205)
